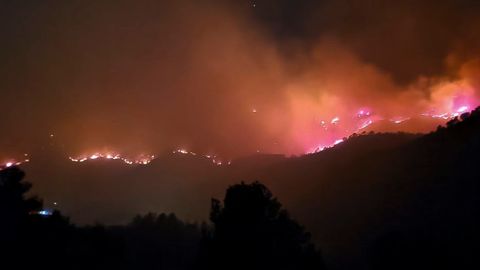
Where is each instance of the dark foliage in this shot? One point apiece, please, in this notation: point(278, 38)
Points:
point(14, 207)
point(252, 231)
point(29, 240)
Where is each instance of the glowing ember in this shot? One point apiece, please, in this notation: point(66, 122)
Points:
point(363, 113)
point(462, 109)
point(338, 141)
point(181, 151)
point(366, 124)
point(335, 120)
point(213, 158)
point(11, 163)
point(399, 120)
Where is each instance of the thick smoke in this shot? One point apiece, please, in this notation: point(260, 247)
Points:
point(144, 77)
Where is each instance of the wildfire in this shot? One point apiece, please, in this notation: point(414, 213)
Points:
point(399, 120)
point(331, 132)
point(213, 158)
point(14, 162)
point(366, 124)
point(142, 160)
point(364, 118)
point(335, 120)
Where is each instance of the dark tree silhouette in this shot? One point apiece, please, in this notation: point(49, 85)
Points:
point(14, 210)
point(252, 231)
point(14, 207)
point(27, 239)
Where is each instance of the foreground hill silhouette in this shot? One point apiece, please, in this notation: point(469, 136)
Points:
point(366, 201)
point(421, 193)
point(250, 231)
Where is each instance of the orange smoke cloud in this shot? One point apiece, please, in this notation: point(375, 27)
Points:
point(146, 78)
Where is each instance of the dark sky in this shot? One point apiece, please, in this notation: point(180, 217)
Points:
point(404, 38)
point(229, 77)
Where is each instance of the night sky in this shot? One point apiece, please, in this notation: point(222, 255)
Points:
point(227, 77)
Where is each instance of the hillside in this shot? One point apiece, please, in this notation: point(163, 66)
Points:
point(348, 196)
point(374, 185)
